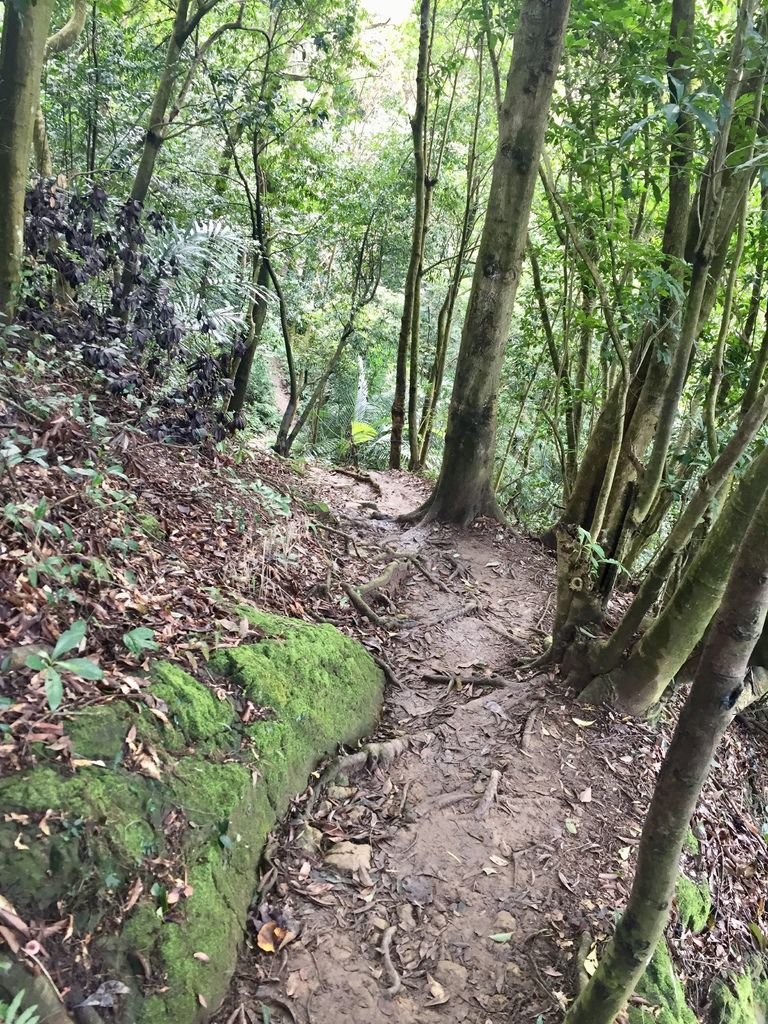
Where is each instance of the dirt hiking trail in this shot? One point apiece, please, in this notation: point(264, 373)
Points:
point(450, 883)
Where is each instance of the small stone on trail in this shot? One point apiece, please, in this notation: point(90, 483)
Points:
point(452, 976)
point(504, 922)
point(309, 839)
point(339, 792)
point(406, 917)
point(349, 857)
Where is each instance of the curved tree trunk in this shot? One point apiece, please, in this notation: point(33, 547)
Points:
point(717, 687)
point(465, 487)
point(21, 62)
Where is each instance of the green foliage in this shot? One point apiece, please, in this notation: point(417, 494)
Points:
point(52, 666)
point(662, 989)
point(13, 1013)
point(139, 640)
point(694, 903)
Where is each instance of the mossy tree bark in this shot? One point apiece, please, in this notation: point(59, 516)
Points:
point(25, 29)
point(709, 486)
point(641, 680)
point(465, 487)
point(717, 686)
point(694, 256)
point(412, 277)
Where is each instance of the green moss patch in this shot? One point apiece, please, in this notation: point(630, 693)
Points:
point(220, 789)
point(661, 987)
point(694, 903)
point(741, 998)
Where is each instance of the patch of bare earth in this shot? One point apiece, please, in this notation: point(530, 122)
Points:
point(453, 883)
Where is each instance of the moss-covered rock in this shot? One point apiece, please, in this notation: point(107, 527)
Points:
point(741, 998)
point(221, 787)
point(694, 903)
point(661, 988)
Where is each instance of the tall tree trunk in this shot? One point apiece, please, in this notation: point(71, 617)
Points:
point(412, 279)
point(717, 686)
point(665, 647)
point(465, 487)
point(647, 387)
point(158, 125)
point(21, 62)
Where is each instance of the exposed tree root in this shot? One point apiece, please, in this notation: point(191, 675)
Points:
point(381, 587)
point(363, 607)
point(491, 791)
point(395, 979)
point(386, 668)
point(348, 538)
point(39, 988)
point(361, 478)
point(462, 680)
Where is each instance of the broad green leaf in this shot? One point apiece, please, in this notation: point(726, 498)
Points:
point(501, 936)
point(140, 639)
point(54, 690)
point(36, 662)
point(70, 639)
point(82, 667)
point(362, 432)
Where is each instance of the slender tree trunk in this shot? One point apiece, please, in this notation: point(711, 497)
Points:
point(709, 486)
point(92, 136)
point(418, 125)
point(21, 62)
point(661, 652)
point(716, 377)
point(256, 318)
point(650, 373)
point(709, 710)
point(465, 487)
point(59, 42)
point(759, 366)
point(158, 125)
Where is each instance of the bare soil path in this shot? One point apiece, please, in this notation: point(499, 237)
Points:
point(453, 883)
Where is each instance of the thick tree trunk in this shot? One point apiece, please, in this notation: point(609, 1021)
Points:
point(717, 686)
point(21, 63)
point(412, 277)
point(666, 646)
point(465, 488)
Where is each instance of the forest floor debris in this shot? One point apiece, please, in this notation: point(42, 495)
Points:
point(502, 821)
point(507, 832)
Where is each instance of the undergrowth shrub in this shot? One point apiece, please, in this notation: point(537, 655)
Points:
point(154, 308)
